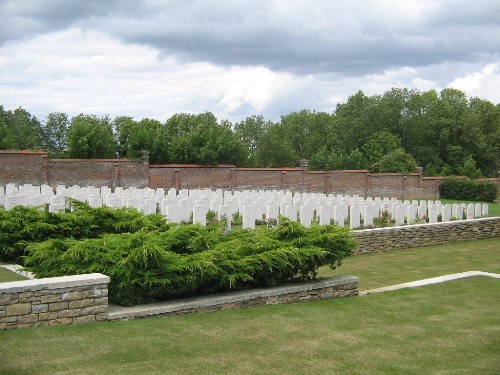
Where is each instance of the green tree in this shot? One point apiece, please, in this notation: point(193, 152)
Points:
point(251, 133)
point(276, 151)
point(6, 142)
point(201, 139)
point(123, 127)
point(91, 137)
point(55, 134)
point(398, 161)
point(378, 145)
point(25, 130)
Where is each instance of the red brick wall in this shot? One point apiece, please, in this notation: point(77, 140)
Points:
point(348, 182)
point(97, 172)
point(36, 168)
point(190, 176)
point(22, 167)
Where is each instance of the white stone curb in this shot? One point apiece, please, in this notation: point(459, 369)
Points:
point(434, 280)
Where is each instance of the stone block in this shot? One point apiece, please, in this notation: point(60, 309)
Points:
point(81, 303)
point(101, 301)
point(9, 319)
point(94, 293)
point(56, 306)
point(51, 298)
point(84, 319)
point(101, 316)
point(29, 299)
point(7, 299)
point(31, 318)
point(18, 309)
point(71, 296)
point(39, 308)
point(60, 322)
point(48, 315)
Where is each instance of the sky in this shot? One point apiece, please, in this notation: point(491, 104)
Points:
point(239, 58)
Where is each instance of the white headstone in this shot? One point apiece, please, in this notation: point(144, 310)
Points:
point(200, 215)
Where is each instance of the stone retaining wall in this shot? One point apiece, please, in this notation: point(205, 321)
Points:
point(54, 301)
point(332, 287)
point(392, 238)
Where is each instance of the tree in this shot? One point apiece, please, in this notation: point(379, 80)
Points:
point(380, 144)
point(398, 161)
point(276, 150)
point(251, 133)
point(201, 139)
point(91, 137)
point(25, 130)
point(123, 127)
point(6, 142)
point(55, 134)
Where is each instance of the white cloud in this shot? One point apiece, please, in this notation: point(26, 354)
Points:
point(74, 71)
point(235, 59)
point(484, 83)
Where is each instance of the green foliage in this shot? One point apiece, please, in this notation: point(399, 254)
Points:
point(190, 259)
point(444, 132)
point(91, 137)
point(468, 190)
point(397, 161)
point(21, 226)
point(55, 134)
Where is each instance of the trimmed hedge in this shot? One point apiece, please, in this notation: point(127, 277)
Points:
point(21, 226)
point(468, 190)
point(189, 259)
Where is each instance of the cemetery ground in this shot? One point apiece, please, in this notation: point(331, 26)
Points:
point(451, 327)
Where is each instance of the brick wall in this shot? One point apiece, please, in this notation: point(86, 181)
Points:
point(98, 172)
point(22, 167)
point(54, 301)
point(387, 239)
point(34, 167)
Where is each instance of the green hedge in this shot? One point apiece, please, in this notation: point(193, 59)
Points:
point(189, 259)
point(21, 226)
point(468, 190)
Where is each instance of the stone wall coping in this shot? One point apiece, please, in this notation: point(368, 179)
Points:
point(54, 283)
point(414, 226)
point(118, 312)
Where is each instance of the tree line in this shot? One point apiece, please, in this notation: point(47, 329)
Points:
point(444, 132)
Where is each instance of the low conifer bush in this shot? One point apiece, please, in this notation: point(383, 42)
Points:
point(22, 225)
point(188, 259)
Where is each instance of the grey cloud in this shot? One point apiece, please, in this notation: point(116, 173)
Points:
point(331, 36)
point(22, 19)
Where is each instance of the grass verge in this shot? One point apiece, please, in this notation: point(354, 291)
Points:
point(6, 275)
point(399, 266)
point(445, 328)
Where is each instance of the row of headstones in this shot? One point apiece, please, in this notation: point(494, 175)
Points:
point(186, 205)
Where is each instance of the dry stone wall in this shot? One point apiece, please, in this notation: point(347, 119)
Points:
point(54, 301)
point(403, 237)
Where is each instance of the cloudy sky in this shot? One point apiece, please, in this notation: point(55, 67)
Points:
point(235, 58)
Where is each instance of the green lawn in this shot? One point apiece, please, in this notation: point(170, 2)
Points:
point(382, 269)
point(6, 275)
point(449, 328)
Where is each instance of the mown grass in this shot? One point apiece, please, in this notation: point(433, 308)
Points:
point(6, 275)
point(382, 269)
point(450, 328)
